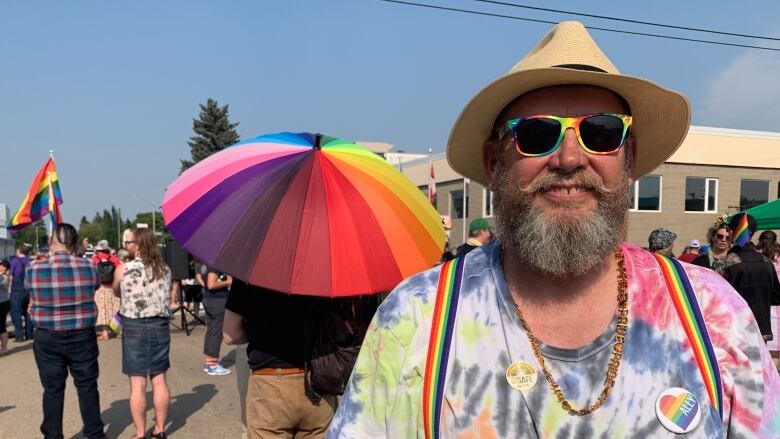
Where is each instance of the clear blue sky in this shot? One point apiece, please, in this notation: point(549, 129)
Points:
point(113, 86)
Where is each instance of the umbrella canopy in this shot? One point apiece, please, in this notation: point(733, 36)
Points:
point(305, 214)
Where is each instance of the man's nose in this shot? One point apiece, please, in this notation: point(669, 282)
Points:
point(569, 156)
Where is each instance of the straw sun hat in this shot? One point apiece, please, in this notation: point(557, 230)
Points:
point(567, 55)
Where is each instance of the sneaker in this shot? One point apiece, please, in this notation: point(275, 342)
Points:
point(206, 367)
point(217, 370)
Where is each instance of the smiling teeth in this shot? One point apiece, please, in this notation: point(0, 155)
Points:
point(567, 190)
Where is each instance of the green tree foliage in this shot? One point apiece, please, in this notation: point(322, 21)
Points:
point(146, 218)
point(107, 225)
point(213, 130)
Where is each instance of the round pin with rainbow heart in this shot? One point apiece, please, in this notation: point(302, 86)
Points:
point(678, 410)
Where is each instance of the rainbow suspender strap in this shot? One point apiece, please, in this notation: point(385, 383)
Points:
point(442, 325)
point(688, 310)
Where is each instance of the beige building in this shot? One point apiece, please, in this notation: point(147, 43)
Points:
point(715, 171)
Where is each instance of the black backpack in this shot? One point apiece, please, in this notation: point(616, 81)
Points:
point(105, 269)
point(334, 334)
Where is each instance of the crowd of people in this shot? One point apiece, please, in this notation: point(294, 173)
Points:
point(73, 300)
point(551, 325)
point(753, 270)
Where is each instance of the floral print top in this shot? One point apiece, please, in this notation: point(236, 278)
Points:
point(383, 398)
point(141, 296)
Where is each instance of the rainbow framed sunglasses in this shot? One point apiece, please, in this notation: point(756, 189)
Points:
point(537, 136)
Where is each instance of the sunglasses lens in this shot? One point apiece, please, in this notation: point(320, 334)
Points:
point(602, 133)
point(537, 136)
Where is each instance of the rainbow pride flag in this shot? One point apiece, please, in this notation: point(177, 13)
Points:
point(43, 198)
point(742, 233)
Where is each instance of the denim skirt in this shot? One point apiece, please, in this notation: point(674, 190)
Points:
point(145, 346)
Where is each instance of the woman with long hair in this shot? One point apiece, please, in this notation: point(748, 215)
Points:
point(144, 285)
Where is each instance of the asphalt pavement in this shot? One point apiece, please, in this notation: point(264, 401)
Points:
point(202, 406)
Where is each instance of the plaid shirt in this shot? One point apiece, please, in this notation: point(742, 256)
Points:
point(62, 291)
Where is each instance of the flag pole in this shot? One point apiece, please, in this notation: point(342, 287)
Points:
point(118, 228)
point(52, 199)
point(52, 205)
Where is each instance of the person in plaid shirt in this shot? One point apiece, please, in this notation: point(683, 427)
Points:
point(62, 291)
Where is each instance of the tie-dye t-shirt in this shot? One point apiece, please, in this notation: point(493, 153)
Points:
point(383, 398)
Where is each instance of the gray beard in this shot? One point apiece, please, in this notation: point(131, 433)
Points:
point(559, 244)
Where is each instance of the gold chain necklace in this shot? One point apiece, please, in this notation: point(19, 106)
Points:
point(617, 350)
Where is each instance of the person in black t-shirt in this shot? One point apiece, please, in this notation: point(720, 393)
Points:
point(274, 324)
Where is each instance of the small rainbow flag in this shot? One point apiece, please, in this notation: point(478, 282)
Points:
point(43, 198)
point(742, 232)
point(116, 323)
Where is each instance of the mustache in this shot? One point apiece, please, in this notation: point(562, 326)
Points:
point(588, 179)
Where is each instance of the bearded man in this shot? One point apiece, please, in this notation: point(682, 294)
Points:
point(559, 328)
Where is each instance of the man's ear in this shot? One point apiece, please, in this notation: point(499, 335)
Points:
point(489, 159)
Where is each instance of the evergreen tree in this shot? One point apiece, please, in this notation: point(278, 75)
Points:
point(213, 130)
point(104, 225)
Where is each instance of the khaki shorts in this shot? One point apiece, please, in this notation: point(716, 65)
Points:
point(277, 408)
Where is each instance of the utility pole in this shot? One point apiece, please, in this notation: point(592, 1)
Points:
point(118, 228)
point(154, 213)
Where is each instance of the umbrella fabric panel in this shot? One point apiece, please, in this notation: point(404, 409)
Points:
point(204, 176)
point(361, 255)
point(241, 189)
point(239, 251)
point(273, 267)
point(392, 214)
point(313, 266)
point(292, 139)
point(226, 238)
point(416, 240)
point(390, 176)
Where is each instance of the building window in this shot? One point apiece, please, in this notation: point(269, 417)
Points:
point(646, 193)
point(701, 194)
point(487, 202)
point(752, 193)
point(456, 204)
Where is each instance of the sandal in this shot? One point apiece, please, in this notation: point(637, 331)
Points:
point(160, 435)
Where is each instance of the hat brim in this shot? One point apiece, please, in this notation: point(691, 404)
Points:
point(661, 117)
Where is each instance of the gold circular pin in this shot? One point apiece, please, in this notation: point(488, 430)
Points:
point(521, 375)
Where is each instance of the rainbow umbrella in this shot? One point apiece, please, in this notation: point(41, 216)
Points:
point(304, 214)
